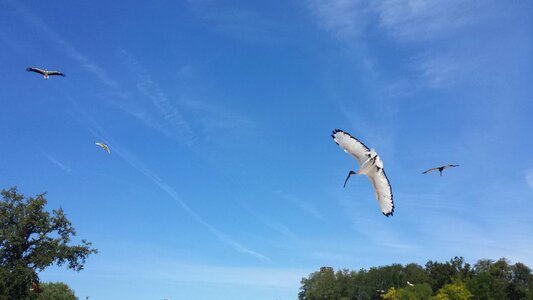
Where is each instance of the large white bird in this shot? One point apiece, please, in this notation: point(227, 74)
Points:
point(440, 169)
point(410, 284)
point(103, 146)
point(370, 165)
point(45, 73)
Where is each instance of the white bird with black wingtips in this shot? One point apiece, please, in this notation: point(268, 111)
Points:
point(45, 73)
point(370, 165)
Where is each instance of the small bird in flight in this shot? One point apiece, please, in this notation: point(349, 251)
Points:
point(45, 73)
point(410, 284)
point(103, 146)
point(440, 169)
point(370, 165)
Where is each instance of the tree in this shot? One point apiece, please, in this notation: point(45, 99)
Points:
point(443, 273)
point(521, 286)
point(453, 291)
point(56, 291)
point(417, 292)
point(32, 239)
point(491, 279)
point(320, 285)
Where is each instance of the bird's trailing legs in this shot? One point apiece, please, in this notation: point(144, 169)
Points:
point(349, 174)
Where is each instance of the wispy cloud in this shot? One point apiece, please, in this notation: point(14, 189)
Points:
point(379, 233)
point(217, 121)
point(414, 20)
point(174, 123)
point(37, 23)
point(57, 162)
point(238, 23)
point(529, 178)
point(304, 205)
point(138, 165)
point(277, 227)
point(444, 70)
point(344, 18)
point(406, 21)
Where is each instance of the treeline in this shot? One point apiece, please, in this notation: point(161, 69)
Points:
point(455, 279)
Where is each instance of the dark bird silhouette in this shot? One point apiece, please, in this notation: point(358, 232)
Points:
point(45, 73)
point(440, 169)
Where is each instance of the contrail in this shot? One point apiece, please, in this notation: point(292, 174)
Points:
point(99, 132)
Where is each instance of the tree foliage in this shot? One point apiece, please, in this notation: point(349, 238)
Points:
point(32, 239)
point(454, 279)
point(56, 291)
point(453, 291)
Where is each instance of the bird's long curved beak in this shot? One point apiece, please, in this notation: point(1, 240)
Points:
point(349, 174)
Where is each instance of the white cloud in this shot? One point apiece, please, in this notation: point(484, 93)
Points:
point(410, 20)
point(529, 178)
point(406, 21)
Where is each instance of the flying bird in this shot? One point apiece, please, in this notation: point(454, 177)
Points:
point(103, 146)
point(440, 169)
point(410, 284)
point(45, 73)
point(370, 165)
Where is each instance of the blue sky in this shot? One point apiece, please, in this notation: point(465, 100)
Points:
point(223, 181)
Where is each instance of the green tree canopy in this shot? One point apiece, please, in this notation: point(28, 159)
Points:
point(32, 239)
point(453, 279)
point(56, 291)
point(453, 291)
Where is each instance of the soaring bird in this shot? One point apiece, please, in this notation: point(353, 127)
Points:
point(410, 284)
point(370, 165)
point(103, 146)
point(440, 169)
point(45, 73)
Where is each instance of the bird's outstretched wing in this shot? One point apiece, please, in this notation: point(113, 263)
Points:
point(383, 190)
point(36, 70)
point(430, 170)
point(451, 166)
point(351, 145)
point(51, 73)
